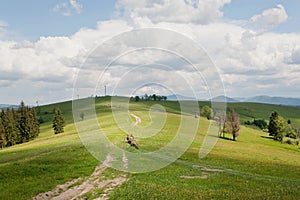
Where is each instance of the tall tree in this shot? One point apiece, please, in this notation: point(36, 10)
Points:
point(154, 97)
point(273, 127)
point(58, 122)
point(279, 128)
point(233, 122)
point(33, 124)
point(220, 118)
point(2, 135)
point(10, 127)
point(23, 124)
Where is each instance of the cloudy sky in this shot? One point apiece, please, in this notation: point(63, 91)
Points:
point(53, 50)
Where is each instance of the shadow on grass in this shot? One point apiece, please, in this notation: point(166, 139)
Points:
point(226, 138)
point(268, 137)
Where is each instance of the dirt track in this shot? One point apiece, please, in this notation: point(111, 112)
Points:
point(79, 188)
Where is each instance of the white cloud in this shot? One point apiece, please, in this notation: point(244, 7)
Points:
point(76, 6)
point(295, 56)
point(252, 62)
point(179, 11)
point(270, 18)
point(67, 8)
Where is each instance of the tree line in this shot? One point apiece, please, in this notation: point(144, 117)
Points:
point(146, 97)
point(278, 127)
point(18, 126)
point(227, 123)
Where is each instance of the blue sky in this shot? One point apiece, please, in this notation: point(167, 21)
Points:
point(243, 10)
point(32, 19)
point(255, 44)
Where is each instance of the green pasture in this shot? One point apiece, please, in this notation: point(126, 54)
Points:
point(253, 167)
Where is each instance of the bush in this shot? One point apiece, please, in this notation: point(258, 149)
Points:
point(288, 141)
point(291, 141)
point(260, 123)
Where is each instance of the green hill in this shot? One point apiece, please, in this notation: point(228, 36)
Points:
point(254, 167)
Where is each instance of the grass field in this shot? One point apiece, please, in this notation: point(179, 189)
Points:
point(253, 167)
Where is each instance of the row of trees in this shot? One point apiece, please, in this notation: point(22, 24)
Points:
point(260, 123)
point(278, 127)
point(18, 126)
point(227, 123)
point(147, 97)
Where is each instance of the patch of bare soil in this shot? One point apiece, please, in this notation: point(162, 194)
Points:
point(205, 172)
point(76, 190)
point(207, 169)
point(203, 176)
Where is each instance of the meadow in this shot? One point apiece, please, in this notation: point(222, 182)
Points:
point(253, 167)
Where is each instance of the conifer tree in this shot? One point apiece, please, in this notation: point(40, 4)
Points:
point(23, 123)
point(58, 122)
point(32, 123)
point(11, 133)
point(2, 135)
point(272, 127)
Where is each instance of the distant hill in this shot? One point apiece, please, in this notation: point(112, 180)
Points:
point(286, 101)
point(223, 99)
point(274, 100)
point(8, 106)
point(176, 97)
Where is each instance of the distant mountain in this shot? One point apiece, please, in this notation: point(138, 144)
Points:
point(176, 97)
point(223, 99)
point(8, 106)
point(287, 101)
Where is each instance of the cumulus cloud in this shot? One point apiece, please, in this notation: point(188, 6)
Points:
point(180, 11)
point(295, 57)
point(250, 61)
point(270, 18)
point(68, 8)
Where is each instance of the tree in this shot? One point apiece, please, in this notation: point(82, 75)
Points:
point(233, 122)
point(146, 97)
point(136, 98)
point(207, 112)
point(282, 128)
point(273, 127)
point(279, 128)
point(10, 127)
point(33, 124)
point(2, 135)
point(58, 122)
point(154, 97)
point(262, 124)
point(220, 119)
point(24, 123)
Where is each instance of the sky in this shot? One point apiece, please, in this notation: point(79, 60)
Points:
point(56, 50)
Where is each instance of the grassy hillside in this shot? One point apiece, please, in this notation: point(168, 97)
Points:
point(254, 167)
point(250, 111)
